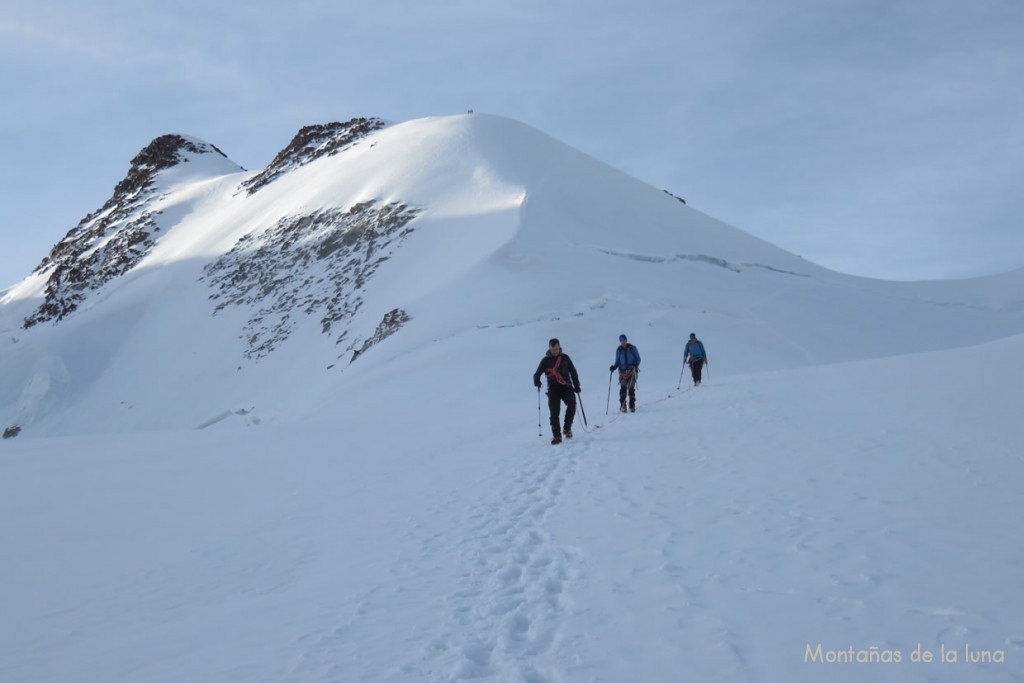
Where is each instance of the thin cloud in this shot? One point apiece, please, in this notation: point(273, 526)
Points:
point(30, 38)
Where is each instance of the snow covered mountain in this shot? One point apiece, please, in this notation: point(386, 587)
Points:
point(279, 426)
point(200, 290)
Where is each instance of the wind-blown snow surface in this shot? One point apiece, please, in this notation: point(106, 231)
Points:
point(175, 510)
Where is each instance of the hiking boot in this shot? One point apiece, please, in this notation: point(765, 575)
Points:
point(632, 409)
point(567, 432)
point(622, 408)
point(556, 439)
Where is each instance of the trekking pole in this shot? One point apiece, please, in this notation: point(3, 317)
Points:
point(632, 385)
point(539, 432)
point(582, 412)
point(680, 384)
point(609, 399)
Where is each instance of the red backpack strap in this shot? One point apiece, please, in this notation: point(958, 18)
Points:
point(553, 371)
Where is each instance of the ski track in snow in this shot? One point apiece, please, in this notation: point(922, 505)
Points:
point(498, 616)
point(506, 619)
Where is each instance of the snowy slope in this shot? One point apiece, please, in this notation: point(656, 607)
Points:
point(714, 535)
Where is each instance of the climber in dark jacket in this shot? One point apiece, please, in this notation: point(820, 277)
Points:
point(563, 385)
point(627, 362)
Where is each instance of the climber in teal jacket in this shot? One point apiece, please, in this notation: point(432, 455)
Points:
point(695, 355)
point(627, 362)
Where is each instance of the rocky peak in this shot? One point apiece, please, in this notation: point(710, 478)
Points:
point(111, 241)
point(163, 152)
point(312, 143)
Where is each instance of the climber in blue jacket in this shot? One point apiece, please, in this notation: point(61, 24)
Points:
point(695, 355)
point(627, 362)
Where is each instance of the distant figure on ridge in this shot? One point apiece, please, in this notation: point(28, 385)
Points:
point(627, 362)
point(695, 355)
point(563, 385)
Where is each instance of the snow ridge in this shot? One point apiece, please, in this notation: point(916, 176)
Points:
point(424, 233)
point(312, 143)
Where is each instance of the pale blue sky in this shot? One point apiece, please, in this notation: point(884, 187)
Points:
point(879, 137)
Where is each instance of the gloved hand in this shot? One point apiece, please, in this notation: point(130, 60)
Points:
point(611, 369)
point(536, 383)
point(577, 390)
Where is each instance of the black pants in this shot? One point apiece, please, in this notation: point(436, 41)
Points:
point(558, 394)
point(695, 365)
point(627, 384)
